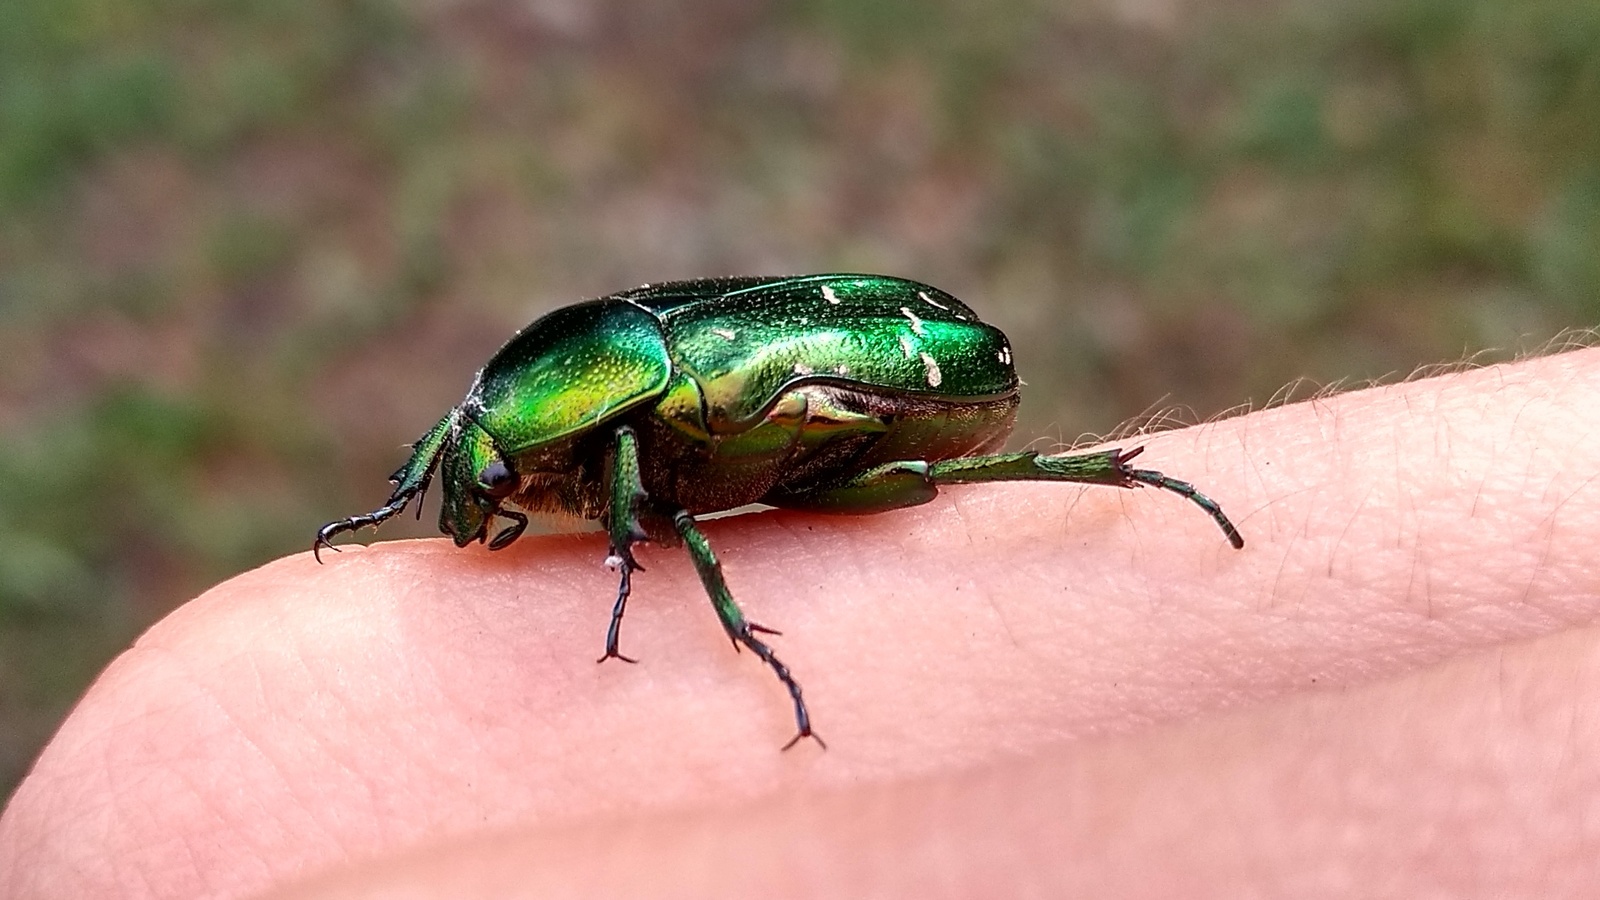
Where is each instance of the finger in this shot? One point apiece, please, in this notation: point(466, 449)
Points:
point(1467, 780)
point(314, 713)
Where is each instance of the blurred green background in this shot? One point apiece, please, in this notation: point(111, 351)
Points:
point(248, 248)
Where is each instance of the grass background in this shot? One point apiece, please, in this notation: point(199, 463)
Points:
point(248, 248)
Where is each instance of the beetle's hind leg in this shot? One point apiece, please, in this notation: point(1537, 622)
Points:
point(625, 495)
point(740, 630)
point(910, 482)
point(1109, 467)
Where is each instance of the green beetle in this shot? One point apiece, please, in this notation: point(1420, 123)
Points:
point(641, 410)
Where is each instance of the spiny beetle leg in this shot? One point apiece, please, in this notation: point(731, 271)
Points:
point(1109, 467)
point(626, 495)
point(755, 628)
point(422, 494)
point(625, 565)
point(326, 533)
point(734, 622)
point(1184, 488)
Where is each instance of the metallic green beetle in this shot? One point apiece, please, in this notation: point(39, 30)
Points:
point(836, 393)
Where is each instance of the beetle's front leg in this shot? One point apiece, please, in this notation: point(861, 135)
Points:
point(740, 629)
point(326, 533)
point(626, 494)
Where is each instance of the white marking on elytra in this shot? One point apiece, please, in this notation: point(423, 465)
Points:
point(829, 295)
point(1005, 355)
point(931, 302)
point(905, 346)
point(802, 369)
point(916, 323)
point(843, 370)
point(934, 375)
point(726, 334)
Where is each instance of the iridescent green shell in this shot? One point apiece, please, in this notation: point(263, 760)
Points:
point(568, 372)
point(743, 342)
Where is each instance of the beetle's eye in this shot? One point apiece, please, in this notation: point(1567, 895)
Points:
point(497, 480)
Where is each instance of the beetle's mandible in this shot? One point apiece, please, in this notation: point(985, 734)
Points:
point(836, 393)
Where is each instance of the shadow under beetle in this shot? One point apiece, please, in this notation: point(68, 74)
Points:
point(834, 393)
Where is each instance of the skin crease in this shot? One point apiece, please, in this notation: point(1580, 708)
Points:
point(1026, 689)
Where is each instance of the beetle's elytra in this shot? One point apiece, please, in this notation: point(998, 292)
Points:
point(839, 393)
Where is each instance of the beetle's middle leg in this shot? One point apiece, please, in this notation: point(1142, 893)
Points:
point(740, 630)
point(625, 496)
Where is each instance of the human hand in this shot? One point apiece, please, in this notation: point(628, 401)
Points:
point(1025, 688)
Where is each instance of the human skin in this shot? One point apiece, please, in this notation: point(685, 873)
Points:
point(1040, 690)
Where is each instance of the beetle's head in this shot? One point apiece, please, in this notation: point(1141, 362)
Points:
point(477, 480)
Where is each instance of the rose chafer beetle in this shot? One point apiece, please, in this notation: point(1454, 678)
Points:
point(641, 410)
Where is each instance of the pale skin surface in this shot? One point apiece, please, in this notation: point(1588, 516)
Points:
point(1029, 690)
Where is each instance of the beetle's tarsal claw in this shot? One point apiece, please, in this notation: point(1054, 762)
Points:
point(762, 629)
point(422, 494)
point(325, 536)
point(318, 544)
point(807, 733)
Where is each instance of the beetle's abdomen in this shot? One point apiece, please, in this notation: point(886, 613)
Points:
point(814, 435)
point(941, 430)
